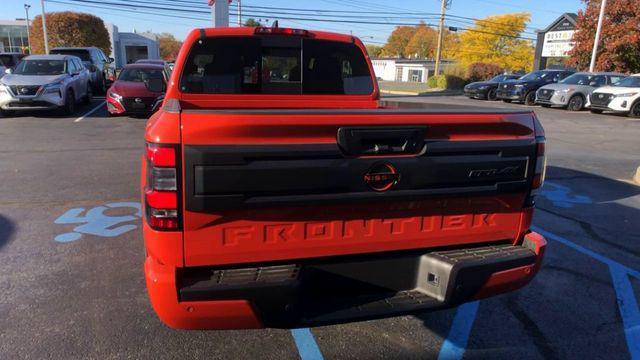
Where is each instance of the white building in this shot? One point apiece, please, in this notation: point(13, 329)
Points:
point(405, 70)
point(128, 47)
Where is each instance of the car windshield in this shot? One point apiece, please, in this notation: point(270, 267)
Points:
point(501, 78)
point(578, 79)
point(140, 75)
point(534, 76)
point(41, 67)
point(82, 54)
point(631, 81)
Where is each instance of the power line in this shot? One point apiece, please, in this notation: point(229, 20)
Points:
point(311, 19)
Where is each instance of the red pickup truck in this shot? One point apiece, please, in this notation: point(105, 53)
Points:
point(279, 191)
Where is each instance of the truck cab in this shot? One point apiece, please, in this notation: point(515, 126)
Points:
point(279, 191)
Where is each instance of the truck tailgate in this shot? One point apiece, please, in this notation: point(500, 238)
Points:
point(265, 185)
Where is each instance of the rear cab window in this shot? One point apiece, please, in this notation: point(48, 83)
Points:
point(275, 65)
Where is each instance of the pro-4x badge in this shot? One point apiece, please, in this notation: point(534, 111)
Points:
point(381, 177)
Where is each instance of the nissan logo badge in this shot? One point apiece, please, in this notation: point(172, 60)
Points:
point(24, 90)
point(381, 177)
point(600, 96)
point(138, 100)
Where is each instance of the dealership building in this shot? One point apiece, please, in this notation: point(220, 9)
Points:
point(126, 47)
point(13, 36)
point(405, 70)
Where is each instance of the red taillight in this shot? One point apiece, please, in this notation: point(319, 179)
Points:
point(161, 190)
point(280, 31)
point(541, 163)
point(161, 156)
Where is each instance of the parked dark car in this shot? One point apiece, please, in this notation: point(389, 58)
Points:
point(486, 90)
point(102, 71)
point(10, 60)
point(524, 89)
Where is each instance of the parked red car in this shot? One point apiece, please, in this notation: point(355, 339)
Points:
point(137, 88)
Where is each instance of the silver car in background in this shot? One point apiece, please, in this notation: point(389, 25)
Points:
point(45, 82)
point(573, 91)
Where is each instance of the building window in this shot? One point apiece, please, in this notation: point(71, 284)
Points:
point(399, 73)
point(415, 75)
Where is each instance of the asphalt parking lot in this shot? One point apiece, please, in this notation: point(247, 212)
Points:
point(71, 256)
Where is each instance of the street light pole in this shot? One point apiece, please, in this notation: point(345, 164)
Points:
point(443, 8)
point(44, 29)
point(26, 9)
point(594, 54)
point(239, 12)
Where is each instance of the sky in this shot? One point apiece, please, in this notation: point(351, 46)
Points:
point(543, 12)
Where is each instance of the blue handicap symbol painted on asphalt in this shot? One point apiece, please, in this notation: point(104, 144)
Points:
point(96, 222)
point(563, 196)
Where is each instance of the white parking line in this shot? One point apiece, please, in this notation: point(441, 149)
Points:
point(90, 112)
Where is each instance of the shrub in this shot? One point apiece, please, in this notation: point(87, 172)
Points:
point(483, 71)
point(447, 82)
point(457, 69)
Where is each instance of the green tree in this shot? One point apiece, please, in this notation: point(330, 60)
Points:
point(169, 46)
point(495, 40)
point(619, 47)
point(72, 29)
point(252, 22)
point(374, 51)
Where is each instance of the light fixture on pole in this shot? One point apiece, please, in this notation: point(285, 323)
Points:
point(26, 9)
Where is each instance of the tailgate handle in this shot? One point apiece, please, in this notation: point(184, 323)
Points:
point(381, 140)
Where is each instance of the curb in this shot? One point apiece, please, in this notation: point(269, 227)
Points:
point(636, 178)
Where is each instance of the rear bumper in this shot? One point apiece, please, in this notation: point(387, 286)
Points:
point(323, 291)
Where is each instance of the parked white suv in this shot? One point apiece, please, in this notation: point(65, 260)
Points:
point(622, 97)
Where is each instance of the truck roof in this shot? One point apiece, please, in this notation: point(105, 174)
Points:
point(249, 31)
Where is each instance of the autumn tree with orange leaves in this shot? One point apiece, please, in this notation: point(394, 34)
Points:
point(619, 48)
point(70, 29)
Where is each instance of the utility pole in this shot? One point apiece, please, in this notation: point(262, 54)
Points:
point(219, 13)
point(239, 12)
point(594, 54)
point(44, 29)
point(26, 9)
point(445, 5)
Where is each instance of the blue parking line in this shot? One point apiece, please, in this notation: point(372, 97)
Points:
point(455, 344)
point(306, 344)
point(628, 308)
point(584, 250)
point(627, 304)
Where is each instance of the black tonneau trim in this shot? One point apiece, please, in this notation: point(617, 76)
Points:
point(381, 111)
point(237, 176)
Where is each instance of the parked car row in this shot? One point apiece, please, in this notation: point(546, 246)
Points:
point(67, 75)
point(598, 92)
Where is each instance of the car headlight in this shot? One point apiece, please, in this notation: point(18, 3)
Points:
point(4, 89)
point(49, 89)
point(625, 95)
point(115, 96)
